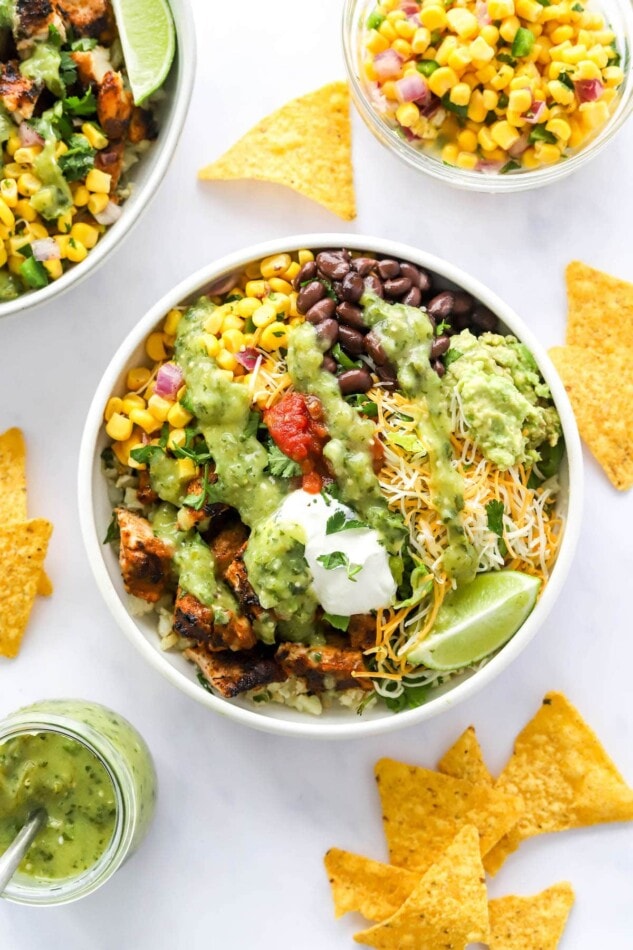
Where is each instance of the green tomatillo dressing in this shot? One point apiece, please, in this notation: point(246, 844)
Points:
point(406, 335)
point(54, 771)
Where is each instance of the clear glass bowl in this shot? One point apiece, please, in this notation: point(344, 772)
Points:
point(619, 15)
point(128, 762)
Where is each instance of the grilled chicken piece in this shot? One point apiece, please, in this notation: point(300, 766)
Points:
point(227, 544)
point(145, 560)
point(216, 511)
point(142, 126)
point(362, 631)
point(92, 65)
point(195, 620)
point(32, 20)
point(237, 579)
point(114, 106)
point(93, 18)
point(18, 94)
point(315, 663)
point(144, 492)
point(234, 673)
point(110, 160)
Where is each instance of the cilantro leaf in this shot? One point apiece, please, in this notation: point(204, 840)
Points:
point(339, 522)
point(81, 105)
point(363, 403)
point(494, 512)
point(143, 454)
point(337, 621)
point(67, 69)
point(451, 356)
point(410, 698)
point(280, 465)
point(84, 44)
point(113, 533)
point(339, 559)
point(421, 586)
point(78, 160)
point(198, 501)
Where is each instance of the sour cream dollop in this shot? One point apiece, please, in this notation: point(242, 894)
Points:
point(370, 587)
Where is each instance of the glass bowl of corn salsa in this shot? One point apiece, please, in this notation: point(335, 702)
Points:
point(491, 95)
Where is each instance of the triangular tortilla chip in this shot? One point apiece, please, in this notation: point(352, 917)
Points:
point(600, 309)
point(12, 477)
point(22, 553)
point(305, 145)
point(528, 923)
point(465, 760)
point(447, 910)
point(565, 777)
point(373, 889)
point(600, 389)
point(423, 811)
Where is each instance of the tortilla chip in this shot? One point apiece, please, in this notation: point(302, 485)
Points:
point(600, 388)
point(12, 477)
point(600, 309)
point(526, 923)
point(44, 585)
point(424, 810)
point(22, 552)
point(305, 145)
point(564, 775)
point(359, 884)
point(448, 907)
point(465, 760)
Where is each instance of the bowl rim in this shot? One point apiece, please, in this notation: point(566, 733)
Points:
point(139, 201)
point(494, 183)
point(312, 728)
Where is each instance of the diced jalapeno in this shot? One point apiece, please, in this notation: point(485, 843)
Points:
point(523, 42)
point(34, 273)
point(427, 66)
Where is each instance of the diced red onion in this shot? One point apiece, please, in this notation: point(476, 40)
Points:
point(519, 146)
point(410, 7)
point(431, 106)
point(535, 112)
point(248, 358)
point(28, 136)
point(111, 213)
point(46, 249)
point(412, 88)
point(588, 90)
point(169, 379)
point(488, 167)
point(387, 65)
point(481, 12)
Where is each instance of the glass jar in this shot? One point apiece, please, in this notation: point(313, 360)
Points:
point(128, 762)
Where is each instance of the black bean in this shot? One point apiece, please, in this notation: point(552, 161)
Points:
point(439, 346)
point(410, 271)
point(375, 349)
point(463, 303)
point(426, 284)
point(374, 285)
point(351, 340)
point(397, 287)
point(327, 332)
point(388, 268)
point(307, 272)
point(413, 297)
point(337, 287)
point(309, 295)
point(332, 264)
point(459, 323)
point(363, 265)
point(439, 368)
point(352, 287)
point(483, 319)
point(322, 310)
point(388, 376)
point(351, 315)
point(355, 381)
point(441, 306)
point(329, 364)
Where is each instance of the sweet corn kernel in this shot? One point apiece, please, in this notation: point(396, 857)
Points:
point(462, 22)
point(145, 420)
point(561, 33)
point(442, 80)
point(98, 181)
point(119, 427)
point(446, 47)
point(16, 244)
point(560, 92)
point(178, 416)
point(405, 29)
point(485, 139)
point(274, 336)
point(460, 94)
point(490, 34)
point(94, 135)
point(421, 40)
point(98, 203)
point(226, 360)
point(480, 51)
point(530, 159)
point(402, 48)
point(13, 170)
point(159, 407)
point(155, 346)
point(213, 323)
point(37, 230)
point(599, 55)
point(247, 306)
point(500, 9)
point(503, 134)
point(476, 109)
point(433, 17)
point(233, 340)
point(292, 271)
point(490, 98)
point(137, 378)
point(233, 322)
point(575, 54)
point(6, 215)
point(503, 77)
point(9, 192)
point(280, 286)
point(467, 161)
point(529, 10)
point(305, 256)
point(280, 301)
point(114, 404)
point(54, 269)
point(387, 30)
point(81, 196)
point(613, 75)
point(486, 74)
point(408, 114)
point(76, 251)
point(520, 100)
point(449, 154)
point(28, 184)
point(86, 233)
point(509, 27)
point(559, 128)
point(177, 438)
point(133, 401)
point(275, 266)
point(256, 288)
point(172, 320)
point(13, 144)
point(211, 343)
point(467, 140)
point(548, 154)
point(264, 315)
point(458, 59)
point(27, 155)
point(376, 42)
point(186, 469)
point(593, 114)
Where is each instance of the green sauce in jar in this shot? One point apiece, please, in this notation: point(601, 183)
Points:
point(50, 769)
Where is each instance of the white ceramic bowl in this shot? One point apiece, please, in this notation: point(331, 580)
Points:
point(146, 175)
point(96, 512)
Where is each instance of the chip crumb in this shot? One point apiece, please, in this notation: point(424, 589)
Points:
point(305, 145)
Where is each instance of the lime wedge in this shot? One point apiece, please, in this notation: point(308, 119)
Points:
point(477, 619)
point(148, 38)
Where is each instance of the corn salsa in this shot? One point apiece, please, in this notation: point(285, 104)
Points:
point(492, 85)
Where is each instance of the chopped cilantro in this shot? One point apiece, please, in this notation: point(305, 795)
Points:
point(343, 359)
point(363, 403)
point(195, 447)
point(84, 44)
point(204, 682)
point(143, 454)
point(410, 698)
point(506, 58)
point(452, 355)
point(339, 522)
point(339, 559)
point(81, 105)
point(540, 134)
point(280, 465)
point(113, 533)
point(67, 69)
point(510, 166)
point(495, 511)
point(78, 160)
point(566, 80)
point(195, 501)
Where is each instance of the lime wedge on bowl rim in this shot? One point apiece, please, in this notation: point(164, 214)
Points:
point(148, 37)
point(477, 619)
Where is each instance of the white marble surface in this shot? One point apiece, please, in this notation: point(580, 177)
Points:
point(234, 859)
